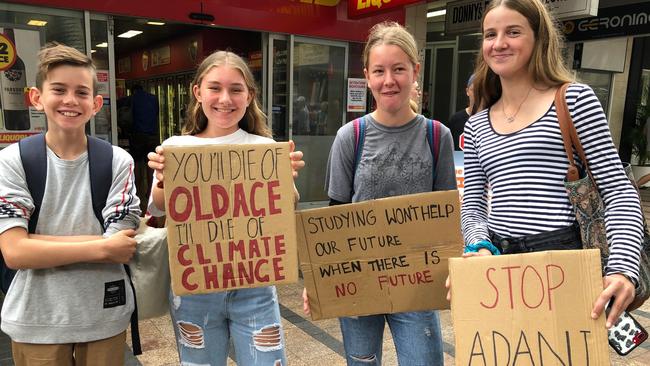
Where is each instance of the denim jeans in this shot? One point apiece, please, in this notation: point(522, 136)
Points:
point(416, 335)
point(204, 324)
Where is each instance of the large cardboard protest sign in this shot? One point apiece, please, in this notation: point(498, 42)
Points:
point(528, 309)
point(382, 256)
point(230, 217)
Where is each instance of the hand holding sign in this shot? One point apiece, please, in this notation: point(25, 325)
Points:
point(381, 256)
point(532, 308)
point(230, 215)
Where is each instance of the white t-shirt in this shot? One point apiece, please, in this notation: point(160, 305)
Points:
point(238, 137)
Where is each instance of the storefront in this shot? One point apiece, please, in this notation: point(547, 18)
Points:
point(301, 52)
point(607, 50)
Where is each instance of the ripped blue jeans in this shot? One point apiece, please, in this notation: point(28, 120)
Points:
point(204, 324)
point(417, 338)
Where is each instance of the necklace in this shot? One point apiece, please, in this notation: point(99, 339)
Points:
point(510, 119)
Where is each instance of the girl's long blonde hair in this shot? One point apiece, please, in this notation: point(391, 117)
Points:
point(254, 120)
point(546, 65)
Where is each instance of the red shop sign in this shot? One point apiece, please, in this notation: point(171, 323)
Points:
point(360, 8)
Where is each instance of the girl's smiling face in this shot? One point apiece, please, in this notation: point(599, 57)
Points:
point(224, 97)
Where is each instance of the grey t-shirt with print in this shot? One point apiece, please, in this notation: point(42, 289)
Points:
point(79, 302)
point(395, 161)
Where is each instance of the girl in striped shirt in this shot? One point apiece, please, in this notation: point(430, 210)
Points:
point(514, 146)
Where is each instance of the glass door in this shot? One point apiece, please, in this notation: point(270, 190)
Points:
point(278, 87)
point(319, 75)
point(441, 85)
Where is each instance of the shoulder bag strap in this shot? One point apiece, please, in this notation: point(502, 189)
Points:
point(570, 135)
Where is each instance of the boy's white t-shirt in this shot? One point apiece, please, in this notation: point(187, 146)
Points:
point(238, 137)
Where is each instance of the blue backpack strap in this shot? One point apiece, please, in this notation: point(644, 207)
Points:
point(100, 167)
point(359, 138)
point(433, 138)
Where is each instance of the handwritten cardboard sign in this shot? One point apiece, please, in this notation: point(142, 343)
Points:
point(528, 309)
point(230, 217)
point(382, 256)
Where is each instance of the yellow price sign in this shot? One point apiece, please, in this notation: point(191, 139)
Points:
point(7, 53)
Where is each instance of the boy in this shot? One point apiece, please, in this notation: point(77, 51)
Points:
point(70, 301)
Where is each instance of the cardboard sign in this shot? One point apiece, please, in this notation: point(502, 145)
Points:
point(381, 256)
point(528, 309)
point(230, 217)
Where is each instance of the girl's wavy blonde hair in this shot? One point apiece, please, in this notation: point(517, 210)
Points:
point(254, 120)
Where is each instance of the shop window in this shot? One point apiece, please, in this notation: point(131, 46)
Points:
point(319, 106)
point(600, 82)
point(17, 117)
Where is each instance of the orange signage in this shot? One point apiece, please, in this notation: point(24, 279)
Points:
point(7, 53)
point(360, 8)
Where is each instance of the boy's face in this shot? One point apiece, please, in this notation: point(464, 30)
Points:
point(67, 97)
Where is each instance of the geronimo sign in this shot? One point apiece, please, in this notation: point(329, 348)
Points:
point(381, 256)
point(230, 217)
point(528, 309)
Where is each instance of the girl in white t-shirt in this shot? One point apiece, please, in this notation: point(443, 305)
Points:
point(224, 110)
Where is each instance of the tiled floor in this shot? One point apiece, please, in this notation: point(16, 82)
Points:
point(309, 343)
point(315, 343)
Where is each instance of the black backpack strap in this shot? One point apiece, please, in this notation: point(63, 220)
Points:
point(100, 168)
point(33, 155)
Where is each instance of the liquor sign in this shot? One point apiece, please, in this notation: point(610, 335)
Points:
point(7, 53)
point(19, 118)
point(464, 15)
point(571, 9)
point(616, 21)
point(361, 8)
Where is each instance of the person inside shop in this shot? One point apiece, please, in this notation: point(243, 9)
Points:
point(396, 159)
point(143, 136)
point(206, 324)
point(513, 144)
point(457, 120)
point(301, 117)
point(70, 301)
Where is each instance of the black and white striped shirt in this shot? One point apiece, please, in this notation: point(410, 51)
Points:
point(526, 169)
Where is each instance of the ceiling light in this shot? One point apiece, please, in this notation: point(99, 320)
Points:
point(102, 45)
point(129, 34)
point(436, 13)
point(155, 23)
point(36, 22)
point(93, 51)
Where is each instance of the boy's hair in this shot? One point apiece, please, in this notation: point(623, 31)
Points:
point(391, 33)
point(54, 55)
point(546, 66)
point(254, 120)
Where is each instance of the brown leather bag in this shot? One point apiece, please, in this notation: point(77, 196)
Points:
point(588, 204)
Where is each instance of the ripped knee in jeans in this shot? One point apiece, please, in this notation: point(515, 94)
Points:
point(190, 335)
point(268, 338)
point(365, 358)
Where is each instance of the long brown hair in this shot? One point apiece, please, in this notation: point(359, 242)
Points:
point(546, 64)
point(254, 120)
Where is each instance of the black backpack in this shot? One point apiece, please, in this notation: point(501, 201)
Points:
point(33, 154)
